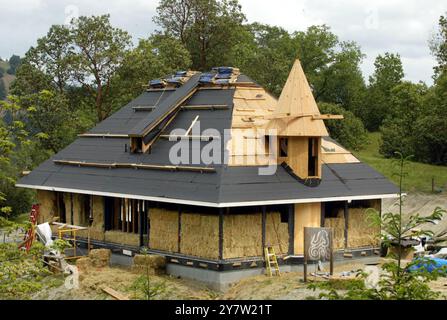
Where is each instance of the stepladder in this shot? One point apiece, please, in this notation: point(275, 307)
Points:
point(271, 262)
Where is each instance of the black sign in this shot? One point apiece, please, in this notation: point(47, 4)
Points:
point(318, 247)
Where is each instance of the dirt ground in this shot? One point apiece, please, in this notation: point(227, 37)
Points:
point(289, 286)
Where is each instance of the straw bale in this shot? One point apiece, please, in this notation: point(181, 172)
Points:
point(118, 237)
point(338, 224)
point(47, 209)
point(277, 233)
point(164, 229)
point(100, 257)
point(200, 235)
point(360, 231)
point(153, 264)
point(242, 236)
point(84, 264)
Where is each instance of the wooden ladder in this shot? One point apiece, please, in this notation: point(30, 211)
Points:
point(271, 262)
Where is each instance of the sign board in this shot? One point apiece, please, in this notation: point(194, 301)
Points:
point(318, 246)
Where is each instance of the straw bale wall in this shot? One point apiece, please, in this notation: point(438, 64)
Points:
point(163, 229)
point(338, 224)
point(200, 235)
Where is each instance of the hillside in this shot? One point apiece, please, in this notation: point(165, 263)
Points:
point(419, 177)
point(7, 78)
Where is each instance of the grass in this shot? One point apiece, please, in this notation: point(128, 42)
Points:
point(419, 177)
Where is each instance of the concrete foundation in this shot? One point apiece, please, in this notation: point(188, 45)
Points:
point(221, 281)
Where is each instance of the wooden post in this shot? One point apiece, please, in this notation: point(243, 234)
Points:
point(148, 224)
point(323, 214)
point(346, 223)
point(141, 221)
point(305, 256)
point(221, 236)
point(264, 227)
point(291, 229)
point(71, 209)
point(331, 266)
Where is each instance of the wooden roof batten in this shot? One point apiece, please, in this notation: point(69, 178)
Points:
point(297, 113)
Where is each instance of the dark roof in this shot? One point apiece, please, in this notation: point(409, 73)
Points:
point(227, 185)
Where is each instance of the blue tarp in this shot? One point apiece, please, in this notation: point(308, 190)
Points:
point(430, 264)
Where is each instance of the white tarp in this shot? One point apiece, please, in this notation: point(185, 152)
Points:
point(45, 233)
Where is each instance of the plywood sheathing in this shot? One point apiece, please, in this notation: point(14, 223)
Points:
point(334, 153)
point(297, 107)
point(306, 215)
point(298, 156)
point(251, 108)
point(200, 235)
point(163, 229)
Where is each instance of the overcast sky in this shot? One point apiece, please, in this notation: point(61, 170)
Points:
point(402, 26)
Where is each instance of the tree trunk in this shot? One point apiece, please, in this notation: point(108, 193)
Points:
point(98, 104)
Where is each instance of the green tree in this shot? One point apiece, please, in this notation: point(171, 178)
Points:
point(388, 74)
point(52, 56)
point(99, 51)
point(14, 63)
point(48, 113)
point(349, 132)
point(438, 46)
point(15, 143)
point(156, 57)
point(208, 28)
point(398, 130)
point(2, 89)
point(430, 130)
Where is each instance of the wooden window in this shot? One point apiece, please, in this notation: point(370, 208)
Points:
point(313, 157)
point(136, 145)
point(283, 147)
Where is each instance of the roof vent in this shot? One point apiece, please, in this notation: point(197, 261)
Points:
point(157, 84)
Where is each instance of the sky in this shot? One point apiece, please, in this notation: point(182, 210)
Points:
point(378, 26)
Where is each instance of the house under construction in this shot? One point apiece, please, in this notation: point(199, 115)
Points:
point(213, 213)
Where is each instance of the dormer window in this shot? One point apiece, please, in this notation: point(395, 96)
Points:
point(283, 147)
point(136, 145)
point(312, 164)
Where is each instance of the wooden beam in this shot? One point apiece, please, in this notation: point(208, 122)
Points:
point(207, 107)
point(135, 166)
point(143, 108)
point(264, 226)
point(181, 137)
point(188, 132)
point(291, 208)
point(328, 117)
point(103, 135)
point(115, 294)
point(346, 214)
